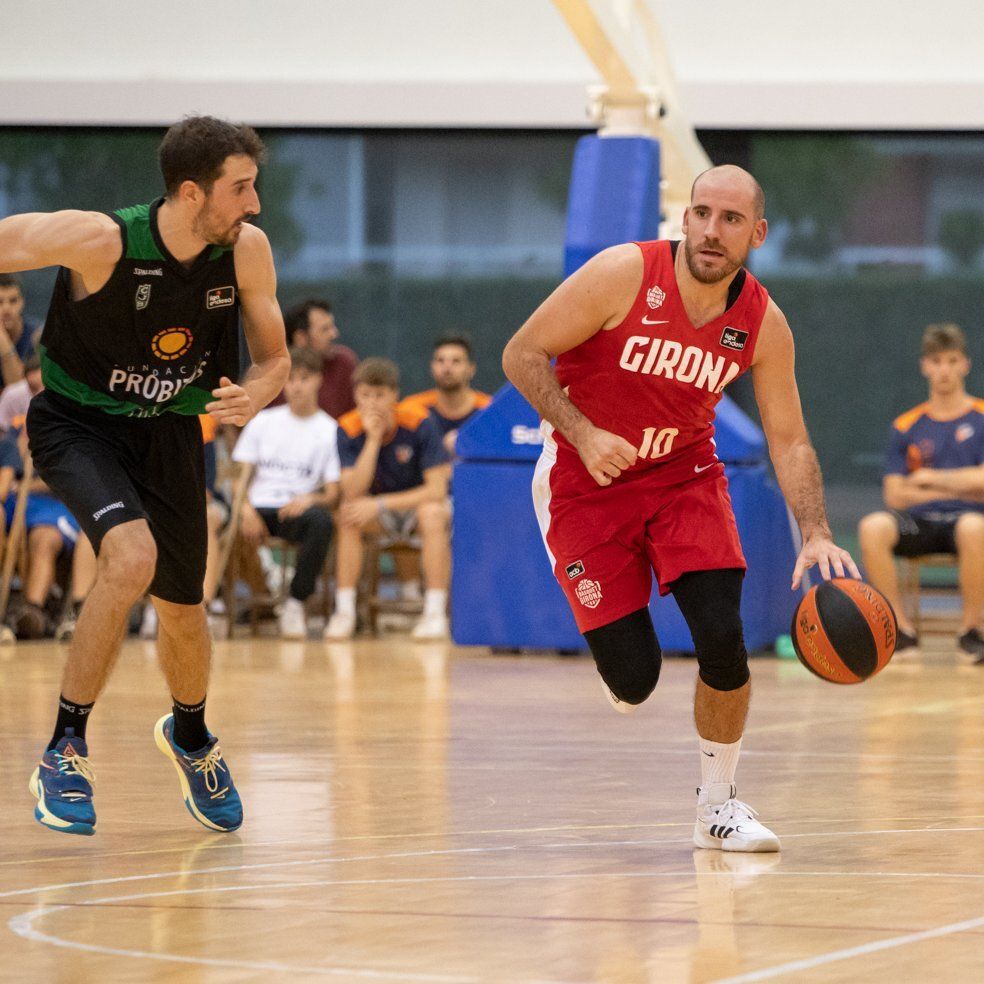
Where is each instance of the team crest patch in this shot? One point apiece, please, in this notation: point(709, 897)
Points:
point(171, 343)
point(964, 433)
point(655, 297)
point(589, 593)
point(574, 570)
point(143, 296)
point(220, 297)
point(734, 338)
point(403, 453)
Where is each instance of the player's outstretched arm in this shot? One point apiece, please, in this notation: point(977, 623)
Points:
point(597, 296)
point(792, 453)
point(263, 324)
point(87, 242)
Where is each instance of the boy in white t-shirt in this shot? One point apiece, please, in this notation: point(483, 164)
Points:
point(294, 453)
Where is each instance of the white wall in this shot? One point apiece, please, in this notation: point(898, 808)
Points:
point(768, 63)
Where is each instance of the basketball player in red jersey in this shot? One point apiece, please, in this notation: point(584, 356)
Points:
point(646, 337)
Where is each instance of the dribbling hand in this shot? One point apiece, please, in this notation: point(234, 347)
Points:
point(831, 558)
point(232, 404)
point(605, 455)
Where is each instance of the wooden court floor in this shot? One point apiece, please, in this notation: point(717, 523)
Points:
point(417, 813)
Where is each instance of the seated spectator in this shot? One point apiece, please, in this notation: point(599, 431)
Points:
point(454, 401)
point(311, 325)
point(51, 531)
point(394, 479)
point(294, 453)
point(16, 396)
point(934, 489)
point(18, 334)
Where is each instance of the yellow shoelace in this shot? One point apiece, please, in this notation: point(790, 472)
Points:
point(209, 766)
point(74, 764)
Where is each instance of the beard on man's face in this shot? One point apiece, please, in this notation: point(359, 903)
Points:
point(215, 232)
point(712, 275)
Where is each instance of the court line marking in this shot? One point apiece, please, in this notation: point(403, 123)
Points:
point(22, 925)
point(232, 844)
point(855, 951)
point(592, 845)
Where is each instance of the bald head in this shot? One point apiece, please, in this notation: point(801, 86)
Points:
point(734, 179)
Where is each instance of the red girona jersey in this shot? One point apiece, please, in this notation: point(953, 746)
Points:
point(655, 379)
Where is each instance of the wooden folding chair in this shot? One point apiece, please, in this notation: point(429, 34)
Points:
point(372, 603)
point(13, 543)
point(232, 561)
point(913, 590)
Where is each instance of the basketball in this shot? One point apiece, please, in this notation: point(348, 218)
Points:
point(844, 631)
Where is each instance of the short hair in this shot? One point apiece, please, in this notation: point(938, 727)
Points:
point(196, 148)
point(32, 363)
point(376, 371)
point(10, 280)
point(296, 318)
point(943, 338)
point(758, 195)
point(461, 339)
point(306, 359)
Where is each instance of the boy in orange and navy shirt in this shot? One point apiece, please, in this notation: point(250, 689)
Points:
point(934, 489)
point(394, 478)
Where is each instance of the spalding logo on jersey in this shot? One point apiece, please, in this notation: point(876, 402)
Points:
point(655, 297)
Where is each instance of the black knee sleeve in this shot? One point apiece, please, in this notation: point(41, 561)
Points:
point(711, 603)
point(627, 655)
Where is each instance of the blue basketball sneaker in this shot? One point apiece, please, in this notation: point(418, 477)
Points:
point(62, 783)
point(206, 783)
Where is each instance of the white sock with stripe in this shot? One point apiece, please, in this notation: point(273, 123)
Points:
point(718, 764)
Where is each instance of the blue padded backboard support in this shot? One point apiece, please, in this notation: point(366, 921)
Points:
point(613, 198)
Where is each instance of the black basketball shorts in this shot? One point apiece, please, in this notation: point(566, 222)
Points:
point(919, 536)
point(110, 470)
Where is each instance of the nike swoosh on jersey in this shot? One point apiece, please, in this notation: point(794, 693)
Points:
point(646, 321)
point(700, 468)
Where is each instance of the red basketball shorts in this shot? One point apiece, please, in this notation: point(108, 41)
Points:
point(606, 544)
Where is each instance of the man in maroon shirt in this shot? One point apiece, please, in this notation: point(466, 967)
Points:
point(311, 324)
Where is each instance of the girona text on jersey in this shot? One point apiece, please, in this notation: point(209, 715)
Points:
point(665, 357)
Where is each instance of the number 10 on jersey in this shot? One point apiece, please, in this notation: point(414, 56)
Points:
point(657, 444)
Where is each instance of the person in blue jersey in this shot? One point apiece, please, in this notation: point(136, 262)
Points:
point(394, 478)
point(934, 489)
point(51, 531)
point(142, 336)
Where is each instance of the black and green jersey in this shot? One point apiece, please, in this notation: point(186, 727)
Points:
point(157, 337)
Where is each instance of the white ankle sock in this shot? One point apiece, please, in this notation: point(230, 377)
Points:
point(435, 601)
point(345, 601)
point(718, 764)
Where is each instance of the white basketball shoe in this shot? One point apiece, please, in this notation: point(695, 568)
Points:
point(730, 826)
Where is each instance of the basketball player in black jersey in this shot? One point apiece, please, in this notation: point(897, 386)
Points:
point(141, 337)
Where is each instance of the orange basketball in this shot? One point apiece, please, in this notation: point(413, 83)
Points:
point(844, 630)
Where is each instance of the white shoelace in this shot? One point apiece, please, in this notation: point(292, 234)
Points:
point(735, 809)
